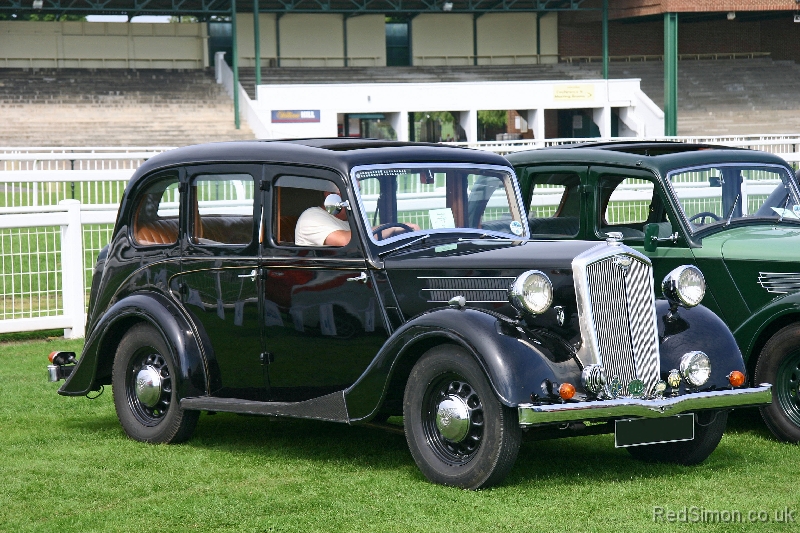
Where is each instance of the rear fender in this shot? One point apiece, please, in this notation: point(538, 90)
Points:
point(94, 366)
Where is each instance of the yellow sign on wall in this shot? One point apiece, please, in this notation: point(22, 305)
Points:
point(571, 93)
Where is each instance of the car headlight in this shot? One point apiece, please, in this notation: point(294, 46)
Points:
point(695, 368)
point(531, 292)
point(684, 286)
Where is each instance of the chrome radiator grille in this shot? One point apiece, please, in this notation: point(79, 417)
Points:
point(619, 305)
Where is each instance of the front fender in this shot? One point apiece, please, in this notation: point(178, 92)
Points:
point(514, 366)
point(700, 329)
point(94, 366)
point(781, 311)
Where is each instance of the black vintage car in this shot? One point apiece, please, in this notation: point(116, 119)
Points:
point(352, 280)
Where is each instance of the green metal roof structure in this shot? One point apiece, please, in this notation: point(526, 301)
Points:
point(204, 9)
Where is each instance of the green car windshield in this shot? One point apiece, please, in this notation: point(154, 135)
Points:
point(420, 199)
point(718, 195)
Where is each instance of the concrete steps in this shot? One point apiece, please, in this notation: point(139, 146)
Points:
point(726, 96)
point(82, 107)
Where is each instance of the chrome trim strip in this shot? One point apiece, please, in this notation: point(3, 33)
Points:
point(479, 289)
point(530, 414)
point(779, 282)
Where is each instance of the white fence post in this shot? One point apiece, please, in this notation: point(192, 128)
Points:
point(72, 274)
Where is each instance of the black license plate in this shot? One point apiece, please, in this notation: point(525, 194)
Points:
point(641, 431)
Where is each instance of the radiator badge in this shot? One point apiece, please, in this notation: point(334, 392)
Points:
point(636, 388)
point(615, 388)
point(623, 261)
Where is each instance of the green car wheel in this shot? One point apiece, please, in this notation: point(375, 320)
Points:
point(779, 364)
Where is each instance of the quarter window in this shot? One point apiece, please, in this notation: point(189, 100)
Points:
point(554, 208)
point(155, 219)
point(222, 209)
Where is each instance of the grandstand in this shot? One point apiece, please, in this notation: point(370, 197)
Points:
point(114, 107)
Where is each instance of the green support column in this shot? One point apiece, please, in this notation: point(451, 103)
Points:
point(235, 66)
point(257, 40)
point(605, 39)
point(670, 73)
point(344, 37)
point(278, 39)
point(475, 39)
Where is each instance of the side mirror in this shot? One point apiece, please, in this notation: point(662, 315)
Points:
point(651, 237)
point(334, 204)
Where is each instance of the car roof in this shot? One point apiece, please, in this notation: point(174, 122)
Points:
point(660, 156)
point(340, 154)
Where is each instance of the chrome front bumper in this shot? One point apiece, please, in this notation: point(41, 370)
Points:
point(530, 414)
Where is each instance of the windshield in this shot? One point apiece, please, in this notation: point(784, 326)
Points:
point(717, 195)
point(413, 199)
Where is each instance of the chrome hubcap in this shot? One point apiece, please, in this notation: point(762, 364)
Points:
point(452, 418)
point(148, 386)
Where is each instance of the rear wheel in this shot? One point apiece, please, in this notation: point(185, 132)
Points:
point(779, 364)
point(143, 382)
point(457, 430)
point(708, 429)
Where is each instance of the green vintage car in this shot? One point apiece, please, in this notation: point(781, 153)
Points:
point(733, 213)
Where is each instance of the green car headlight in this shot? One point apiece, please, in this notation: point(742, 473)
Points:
point(685, 286)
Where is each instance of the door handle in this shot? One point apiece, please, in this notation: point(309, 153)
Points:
point(361, 277)
point(252, 275)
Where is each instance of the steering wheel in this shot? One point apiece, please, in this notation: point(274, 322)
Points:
point(378, 232)
point(704, 215)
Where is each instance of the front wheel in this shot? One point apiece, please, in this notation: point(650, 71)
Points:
point(457, 430)
point(708, 429)
point(143, 380)
point(779, 364)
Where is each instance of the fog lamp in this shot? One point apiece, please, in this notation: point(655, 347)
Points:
point(736, 378)
point(695, 368)
point(532, 292)
point(674, 378)
point(566, 391)
point(593, 378)
point(684, 286)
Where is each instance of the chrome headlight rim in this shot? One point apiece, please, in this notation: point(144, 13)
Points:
point(516, 293)
point(676, 292)
point(693, 375)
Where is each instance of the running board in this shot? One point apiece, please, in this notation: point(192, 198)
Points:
point(330, 407)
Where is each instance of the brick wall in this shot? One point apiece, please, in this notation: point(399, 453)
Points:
point(638, 8)
point(779, 35)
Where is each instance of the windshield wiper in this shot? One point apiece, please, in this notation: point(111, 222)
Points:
point(404, 245)
point(487, 236)
point(733, 208)
point(785, 205)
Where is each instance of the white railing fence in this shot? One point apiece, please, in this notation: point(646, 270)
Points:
point(58, 207)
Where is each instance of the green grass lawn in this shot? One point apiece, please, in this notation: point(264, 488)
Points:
point(67, 466)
